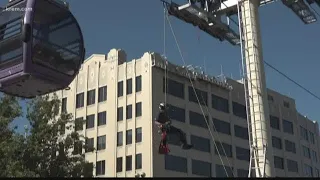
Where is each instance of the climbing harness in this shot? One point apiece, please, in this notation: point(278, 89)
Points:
point(164, 147)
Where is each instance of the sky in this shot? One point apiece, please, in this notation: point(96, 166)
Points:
point(137, 26)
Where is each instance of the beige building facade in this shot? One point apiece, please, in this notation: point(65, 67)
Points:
point(119, 101)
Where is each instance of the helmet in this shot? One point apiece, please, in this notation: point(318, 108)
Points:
point(162, 106)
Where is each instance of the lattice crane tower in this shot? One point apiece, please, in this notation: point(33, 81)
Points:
point(207, 15)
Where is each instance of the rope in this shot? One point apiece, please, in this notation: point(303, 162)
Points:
point(184, 62)
point(164, 54)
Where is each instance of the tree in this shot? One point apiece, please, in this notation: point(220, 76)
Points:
point(11, 143)
point(49, 151)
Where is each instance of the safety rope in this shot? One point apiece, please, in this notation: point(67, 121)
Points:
point(184, 62)
point(165, 56)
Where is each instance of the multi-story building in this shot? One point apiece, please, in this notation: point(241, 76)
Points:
point(119, 101)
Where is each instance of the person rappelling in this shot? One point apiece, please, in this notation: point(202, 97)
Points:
point(166, 128)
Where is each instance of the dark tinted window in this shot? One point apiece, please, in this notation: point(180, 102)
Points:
point(138, 83)
point(102, 94)
point(129, 137)
point(242, 173)
point(102, 118)
point(197, 119)
point(101, 167)
point(119, 138)
point(176, 113)
point(174, 88)
point(80, 100)
point(221, 126)
point(221, 171)
point(220, 104)
point(120, 114)
point(200, 143)
point(287, 126)
point(239, 110)
point(89, 145)
point(64, 105)
point(120, 88)
point(139, 161)
point(90, 121)
point(202, 96)
point(223, 149)
point(128, 163)
point(290, 146)
point(119, 164)
point(201, 168)
point(243, 154)
point(129, 86)
point(138, 134)
point(278, 162)
point(276, 142)
point(91, 97)
point(101, 142)
point(79, 124)
point(129, 112)
point(176, 163)
point(292, 165)
point(241, 132)
point(138, 109)
point(275, 122)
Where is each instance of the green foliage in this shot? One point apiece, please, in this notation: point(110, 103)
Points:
point(48, 150)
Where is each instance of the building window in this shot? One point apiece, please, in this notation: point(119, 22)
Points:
point(270, 98)
point(199, 120)
point(129, 112)
point(119, 138)
point(278, 162)
point(80, 100)
point(90, 121)
point(200, 143)
point(287, 126)
point(138, 109)
point(100, 168)
point(201, 168)
point(198, 96)
point(221, 126)
point(304, 133)
point(120, 88)
point(77, 149)
point(221, 171)
point(119, 164)
point(311, 135)
point(306, 152)
point(139, 161)
point(223, 149)
point(239, 110)
point(175, 163)
point(89, 144)
point(241, 132)
point(307, 170)
point(128, 163)
point(174, 140)
point(62, 129)
point(317, 173)
point(101, 142)
point(102, 94)
point(242, 173)
point(64, 105)
point(286, 104)
point(174, 88)
point(290, 146)
point(78, 124)
point(275, 122)
point(120, 114)
point(138, 134)
point(176, 113)
point(102, 118)
point(314, 156)
point(138, 84)
point(91, 97)
point(129, 86)
point(129, 137)
point(243, 154)
point(220, 104)
point(292, 165)
point(276, 142)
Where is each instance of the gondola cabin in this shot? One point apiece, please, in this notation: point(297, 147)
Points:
point(41, 47)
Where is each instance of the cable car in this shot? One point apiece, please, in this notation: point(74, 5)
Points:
point(41, 47)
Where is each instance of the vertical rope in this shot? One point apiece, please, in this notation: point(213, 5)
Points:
point(165, 56)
